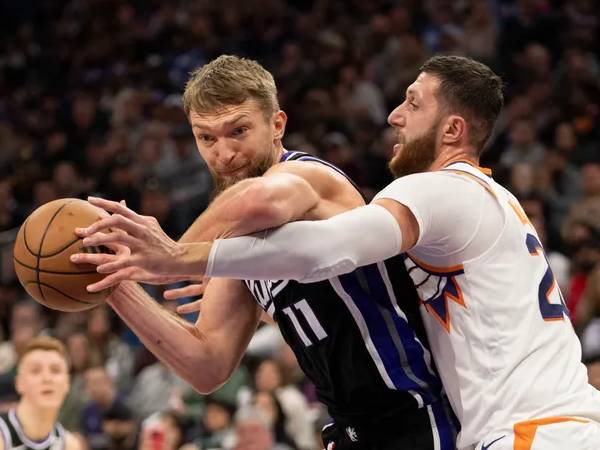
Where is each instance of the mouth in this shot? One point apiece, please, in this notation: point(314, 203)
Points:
point(396, 149)
point(229, 172)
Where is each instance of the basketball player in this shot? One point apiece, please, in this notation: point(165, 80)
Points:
point(356, 339)
point(42, 382)
point(496, 320)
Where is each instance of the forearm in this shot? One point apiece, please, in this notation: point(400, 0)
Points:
point(175, 342)
point(252, 205)
point(222, 217)
point(309, 251)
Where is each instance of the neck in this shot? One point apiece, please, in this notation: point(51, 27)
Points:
point(279, 150)
point(37, 423)
point(446, 158)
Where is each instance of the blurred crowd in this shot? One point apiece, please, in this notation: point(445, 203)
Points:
point(90, 104)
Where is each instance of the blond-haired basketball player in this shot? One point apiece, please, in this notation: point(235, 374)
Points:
point(496, 321)
point(42, 382)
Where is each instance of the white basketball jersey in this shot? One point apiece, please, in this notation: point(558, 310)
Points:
point(496, 320)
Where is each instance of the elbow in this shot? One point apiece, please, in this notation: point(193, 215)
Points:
point(206, 387)
point(206, 381)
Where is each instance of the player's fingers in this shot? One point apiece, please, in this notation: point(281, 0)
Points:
point(92, 258)
point(116, 208)
point(113, 223)
point(112, 238)
point(110, 280)
point(114, 265)
point(190, 307)
point(188, 291)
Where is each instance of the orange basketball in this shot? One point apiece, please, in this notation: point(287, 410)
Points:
point(43, 246)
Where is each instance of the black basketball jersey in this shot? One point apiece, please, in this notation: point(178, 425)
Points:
point(14, 437)
point(358, 337)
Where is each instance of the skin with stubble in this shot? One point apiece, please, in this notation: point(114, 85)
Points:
point(237, 142)
point(416, 122)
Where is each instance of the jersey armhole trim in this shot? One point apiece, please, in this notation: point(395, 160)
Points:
point(6, 436)
point(413, 211)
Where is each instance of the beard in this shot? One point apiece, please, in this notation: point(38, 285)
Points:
point(256, 168)
point(415, 156)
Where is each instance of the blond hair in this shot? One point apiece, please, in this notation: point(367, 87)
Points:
point(45, 343)
point(230, 80)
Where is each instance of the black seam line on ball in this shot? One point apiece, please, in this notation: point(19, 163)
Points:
point(25, 238)
point(63, 293)
point(55, 272)
point(61, 249)
point(37, 269)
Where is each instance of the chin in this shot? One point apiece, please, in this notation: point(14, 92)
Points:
point(49, 403)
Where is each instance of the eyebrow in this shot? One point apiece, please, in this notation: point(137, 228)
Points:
point(413, 92)
point(225, 124)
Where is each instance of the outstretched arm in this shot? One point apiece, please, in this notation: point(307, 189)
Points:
point(305, 250)
point(328, 248)
point(204, 354)
point(290, 191)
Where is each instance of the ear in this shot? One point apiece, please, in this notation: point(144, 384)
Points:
point(279, 122)
point(454, 130)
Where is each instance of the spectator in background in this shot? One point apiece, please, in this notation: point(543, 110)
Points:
point(68, 182)
point(161, 431)
point(593, 368)
point(108, 348)
point(44, 191)
point(25, 323)
point(156, 200)
point(153, 389)
point(522, 180)
point(481, 32)
point(120, 428)
point(268, 403)
point(524, 145)
point(11, 215)
point(268, 379)
point(583, 239)
point(123, 183)
point(254, 432)
point(588, 315)
point(103, 397)
point(217, 426)
point(559, 183)
point(534, 207)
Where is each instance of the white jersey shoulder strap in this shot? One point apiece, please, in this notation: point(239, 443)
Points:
point(5, 432)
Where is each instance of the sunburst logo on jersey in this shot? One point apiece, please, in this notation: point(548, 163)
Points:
point(436, 286)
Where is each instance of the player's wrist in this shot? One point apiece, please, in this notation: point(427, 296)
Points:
point(191, 258)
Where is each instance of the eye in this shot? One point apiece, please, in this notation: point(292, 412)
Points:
point(204, 138)
point(413, 106)
point(239, 131)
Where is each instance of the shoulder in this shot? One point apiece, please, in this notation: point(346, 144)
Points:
point(72, 441)
point(429, 186)
point(316, 173)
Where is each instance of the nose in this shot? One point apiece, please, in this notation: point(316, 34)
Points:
point(225, 152)
point(47, 376)
point(396, 118)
